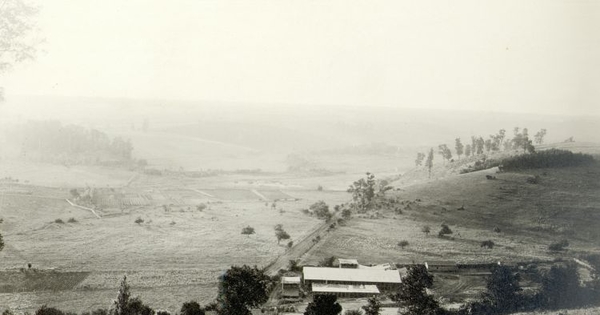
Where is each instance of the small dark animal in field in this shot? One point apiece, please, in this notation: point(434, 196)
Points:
point(490, 177)
point(489, 244)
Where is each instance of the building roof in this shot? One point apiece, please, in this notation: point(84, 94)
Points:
point(441, 263)
point(348, 261)
point(291, 280)
point(342, 288)
point(352, 275)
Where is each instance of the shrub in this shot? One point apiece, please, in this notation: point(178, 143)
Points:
point(497, 229)
point(72, 220)
point(100, 311)
point(444, 231)
point(163, 313)
point(403, 244)
point(139, 220)
point(489, 244)
point(353, 312)
point(558, 246)
point(426, 229)
point(60, 221)
point(319, 188)
point(248, 230)
point(201, 207)
point(290, 244)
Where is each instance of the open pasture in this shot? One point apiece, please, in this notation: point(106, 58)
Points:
point(171, 257)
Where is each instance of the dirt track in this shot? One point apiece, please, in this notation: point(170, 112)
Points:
point(299, 249)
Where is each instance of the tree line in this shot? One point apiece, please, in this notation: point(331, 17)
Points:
point(54, 142)
point(478, 145)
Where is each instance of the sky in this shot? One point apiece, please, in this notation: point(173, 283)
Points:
point(509, 55)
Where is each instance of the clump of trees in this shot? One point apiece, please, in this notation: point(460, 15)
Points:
point(54, 142)
point(321, 210)
point(547, 159)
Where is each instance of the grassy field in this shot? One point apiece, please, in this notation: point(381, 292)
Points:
point(170, 258)
point(564, 203)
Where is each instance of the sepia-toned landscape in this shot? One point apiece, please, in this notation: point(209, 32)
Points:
point(122, 198)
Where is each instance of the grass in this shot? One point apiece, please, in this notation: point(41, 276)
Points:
point(529, 217)
point(166, 264)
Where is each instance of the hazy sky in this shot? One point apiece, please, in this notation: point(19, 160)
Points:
point(519, 55)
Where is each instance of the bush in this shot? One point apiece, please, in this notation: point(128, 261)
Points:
point(444, 231)
point(403, 244)
point(489, 244)
point(60, 221)
point(353, 312)
point(290, 244)
point(497, 229)
point(44, 310)
point(72, 220)
point(533, 179)
point(201, 207)
point(139, 220)
point(426, 229)
point(558, 246)
point(248, 230)
point(100, 311)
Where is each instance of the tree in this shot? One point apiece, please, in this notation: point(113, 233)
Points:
point(363, 192)
point(426, 229)
point(323, 305)
point(403, 244)
point(191, 308)
point(473, 145)
point(480, 145)
point(413, 295)
point(459, 147)
point(281, 235)
point(121, 304)
point(500, 137)
point(420, 158)
point(248, 230)
point(503, 290)
point(241, 288)
point(1, 242)
point(17, 30)
point(429, 162)
point(321, 210)
point(373, 306)
point(560, 287)
point(468, 150)
point(44, 310)
point(445, 152)
point(74, 193)
point(488, 145)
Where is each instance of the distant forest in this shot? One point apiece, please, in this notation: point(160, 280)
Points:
point(53, 142)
